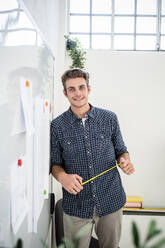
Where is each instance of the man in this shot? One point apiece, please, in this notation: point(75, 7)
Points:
point(86, 141)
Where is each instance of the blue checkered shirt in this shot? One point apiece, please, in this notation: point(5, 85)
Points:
point(88, 150)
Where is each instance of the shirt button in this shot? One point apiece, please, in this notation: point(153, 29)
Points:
point(90, 166)
point(88, 152)
point(86, 137)
point(93, 195)
point(91, 181)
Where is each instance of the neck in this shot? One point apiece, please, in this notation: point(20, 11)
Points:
point(81, 112)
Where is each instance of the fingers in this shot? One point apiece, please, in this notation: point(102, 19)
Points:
point(73, 184)
point(126, 166)
point(128, 169)
point(74, 191)
point(123, 163)
point(77, 184)
point(78, 178)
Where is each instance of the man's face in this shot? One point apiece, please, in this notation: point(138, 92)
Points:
point(77, 92)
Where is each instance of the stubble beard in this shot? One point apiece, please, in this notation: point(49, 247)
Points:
point(80, 106)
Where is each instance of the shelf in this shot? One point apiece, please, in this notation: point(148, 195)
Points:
point(144, 211)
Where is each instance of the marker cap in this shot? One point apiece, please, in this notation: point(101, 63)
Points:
point(27, 83)
point(19, 162)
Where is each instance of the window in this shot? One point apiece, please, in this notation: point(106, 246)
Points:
point(118, 25)
point(15, 27)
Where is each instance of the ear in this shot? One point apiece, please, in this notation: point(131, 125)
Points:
point(65, 93)
point(89, 89)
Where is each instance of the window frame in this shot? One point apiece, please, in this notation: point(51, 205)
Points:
point(8, 30)
point(158, 15)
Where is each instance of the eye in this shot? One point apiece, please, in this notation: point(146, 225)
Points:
point(71, 89)
point(82, 87)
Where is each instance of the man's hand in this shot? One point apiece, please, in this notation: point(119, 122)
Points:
point(126, 166)
point(72, 183)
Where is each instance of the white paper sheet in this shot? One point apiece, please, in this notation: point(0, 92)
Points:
point(19, 120)
point(27, 103)
point(27, 109)
point(46, 138)
point(30, 178)
point(41, 156)
point(19, 204)
point(3, 90)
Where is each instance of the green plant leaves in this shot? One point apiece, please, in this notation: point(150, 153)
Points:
point(70, 224)
point(68, 243)
point(70, 43)
point(159, 244)
point(153, 231)
point(84, 230)
point(135, 233)
point(75, 242)
point(44, 243)
point(19, 244)
point(61, 246)
point(76, 52)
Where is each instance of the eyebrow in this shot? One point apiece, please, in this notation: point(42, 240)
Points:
point(72, 87)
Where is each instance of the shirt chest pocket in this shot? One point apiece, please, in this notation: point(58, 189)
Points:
point(103, 139)
point(69, 146)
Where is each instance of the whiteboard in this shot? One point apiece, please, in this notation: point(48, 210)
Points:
point(17, 62)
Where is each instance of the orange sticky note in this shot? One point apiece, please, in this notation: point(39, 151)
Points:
point(46, 103)
point(27, 84)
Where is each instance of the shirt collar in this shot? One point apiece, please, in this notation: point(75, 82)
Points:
point(73, 117)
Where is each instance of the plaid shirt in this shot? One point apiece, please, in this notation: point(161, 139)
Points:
point(88, 150)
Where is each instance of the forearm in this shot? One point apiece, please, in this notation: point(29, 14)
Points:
point(125, 156)
point(59, 173)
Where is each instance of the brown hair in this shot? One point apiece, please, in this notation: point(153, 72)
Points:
point(74, 73)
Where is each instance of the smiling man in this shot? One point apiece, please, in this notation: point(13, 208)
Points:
point(86, 141)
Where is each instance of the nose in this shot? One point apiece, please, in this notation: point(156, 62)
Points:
point(78, 92)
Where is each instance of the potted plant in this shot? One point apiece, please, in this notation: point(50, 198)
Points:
point(76, 52)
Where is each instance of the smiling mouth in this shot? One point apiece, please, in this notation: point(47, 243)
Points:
point(78, 99)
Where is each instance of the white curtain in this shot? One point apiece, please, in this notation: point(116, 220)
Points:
point(45, 16)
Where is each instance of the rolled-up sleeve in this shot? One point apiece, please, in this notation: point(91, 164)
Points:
point(117, 138)
point(55, 148)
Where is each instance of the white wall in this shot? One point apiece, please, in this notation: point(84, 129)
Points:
point(132, 85)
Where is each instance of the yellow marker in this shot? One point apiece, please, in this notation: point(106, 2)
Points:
point(27, 84)
point(100, 174)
